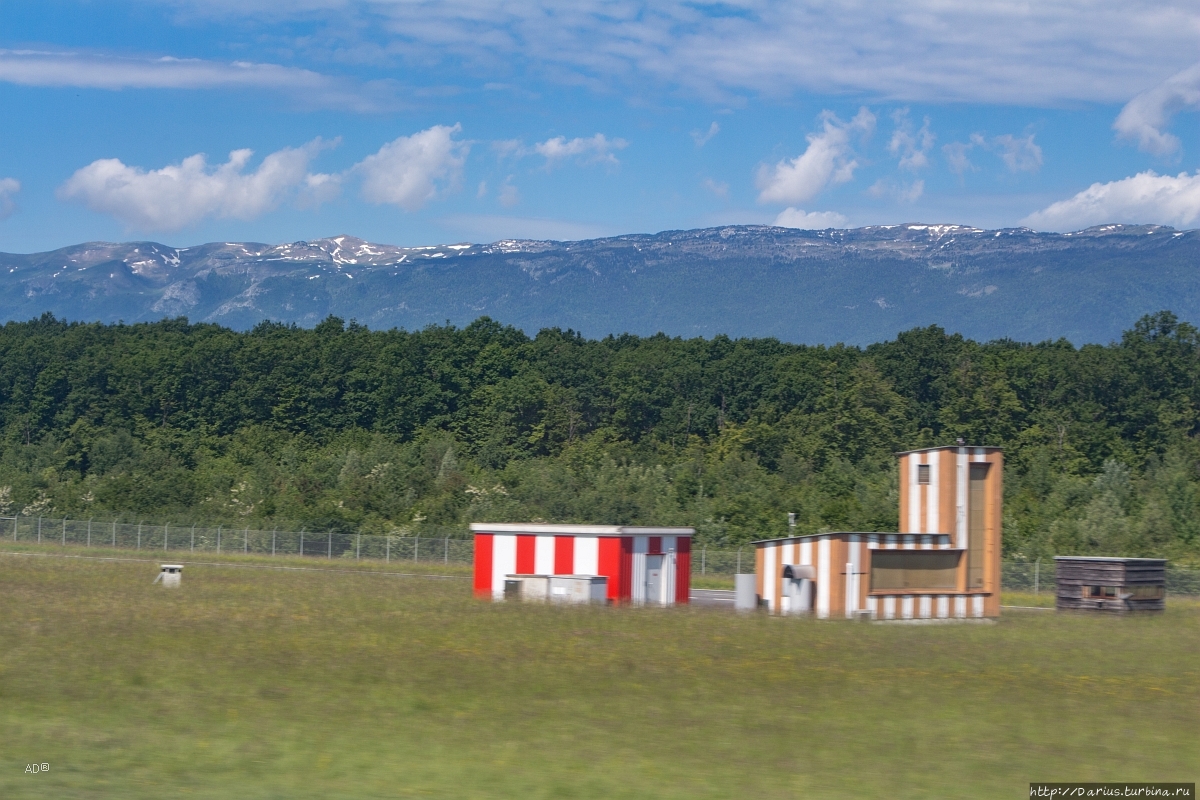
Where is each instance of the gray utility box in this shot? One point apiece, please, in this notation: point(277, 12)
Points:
point(527, 587)
point(578, 588)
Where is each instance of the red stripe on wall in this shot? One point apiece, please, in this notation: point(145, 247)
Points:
point(610, 564)
point(483, 564)
point(564, 555)
point(626, 587)
point(526, 553)
point(683, 568)
point(654, 546)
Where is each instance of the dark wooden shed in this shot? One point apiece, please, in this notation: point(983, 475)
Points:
point(1119, 585)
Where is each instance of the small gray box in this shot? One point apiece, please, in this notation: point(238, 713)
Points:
point(578, 588)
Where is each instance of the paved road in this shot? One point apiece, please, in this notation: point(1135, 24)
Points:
point(711, 598)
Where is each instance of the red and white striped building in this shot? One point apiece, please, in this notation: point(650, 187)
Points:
point(642, 565)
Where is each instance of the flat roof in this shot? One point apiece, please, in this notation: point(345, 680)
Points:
point(844, 533)
point(1108, 558)
point(948, 447)
point(577, 530)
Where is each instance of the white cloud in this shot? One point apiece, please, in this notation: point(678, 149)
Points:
point(1144, 118)
point(701, 137)
point(827, 160)
point(8, 188)
point(99, 71)
point(509, 195)
point(719, 189)
point(412, 170)
point(909, 50)
point(1019, 153)
point(180, 195)
point(1144, 198)
point(956, 157)
point(912, 147)
point(809, 220)
point(597, 148)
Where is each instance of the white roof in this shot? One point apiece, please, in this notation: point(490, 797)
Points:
point(577, 530)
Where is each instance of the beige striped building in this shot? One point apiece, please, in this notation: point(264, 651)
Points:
point(944, 562)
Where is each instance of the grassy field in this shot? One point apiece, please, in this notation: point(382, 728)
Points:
point(256, 683)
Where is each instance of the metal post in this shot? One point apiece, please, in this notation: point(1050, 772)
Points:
point(165, 526)
point(739, 561)
point(139, 539)
point(89, 544)
point(39, 530)
point(329, 554)
point(273, 539)
point(387, 553)
point(358, 546)
point(703, 558)
point(1036, 569)
point(64, 531)
point(193, 537)
point(416, 546)
point(302, 541)
point(246, 540)
point(446, 541)
point(219, 540)
point(114, 533)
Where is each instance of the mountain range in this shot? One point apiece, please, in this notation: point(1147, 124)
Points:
point(855, 286)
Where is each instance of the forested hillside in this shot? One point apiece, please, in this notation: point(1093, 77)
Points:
point(346, 428)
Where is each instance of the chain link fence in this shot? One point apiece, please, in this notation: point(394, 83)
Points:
point(174, 539)
point(1023, 576)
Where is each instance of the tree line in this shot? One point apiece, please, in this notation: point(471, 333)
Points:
point(344, 428)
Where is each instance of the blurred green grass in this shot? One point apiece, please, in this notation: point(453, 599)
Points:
point(285, 684)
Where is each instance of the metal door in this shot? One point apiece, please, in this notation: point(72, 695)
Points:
point(654, 575)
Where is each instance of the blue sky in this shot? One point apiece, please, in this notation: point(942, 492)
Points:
point(412, 122)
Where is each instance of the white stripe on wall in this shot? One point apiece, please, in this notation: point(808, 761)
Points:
point(979, 455)
point(926, 609)
point(943, 607)
point(906, 607)
point(770, 570)
point(889, 608)
point(960, 606)
point(914, 494)
point(504, 561)
point(824, 573)
point(873, 607)
point(977, 605)
point(668, 577)
point(806, 555)
point(587, 555)
point(543, 555)
point(935, 480)
point(960, 499)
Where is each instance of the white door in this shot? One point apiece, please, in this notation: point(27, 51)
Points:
point(654, 579)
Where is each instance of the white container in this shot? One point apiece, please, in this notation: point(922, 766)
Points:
point(170, 575)
point(578, 588)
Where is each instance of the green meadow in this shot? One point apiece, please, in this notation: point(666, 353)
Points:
point(364, 683)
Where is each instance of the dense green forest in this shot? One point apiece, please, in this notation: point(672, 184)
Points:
point(346, 428)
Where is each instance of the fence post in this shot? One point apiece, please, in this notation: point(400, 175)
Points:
point(358, 546)
point(329, 554)
point(89, 544)
point(114, 533)
point(1036, 570)
point(246, 540)
point(302, 541)
point(219, 539)
point(703, 558)
point(193, 537)
point(387, 557)
point(166, 525)
point(64, 531)
point(446, 541)
point(416, 547)
point(273, 539)
point(739, 561)
point(139, 539)
point(39, 530)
